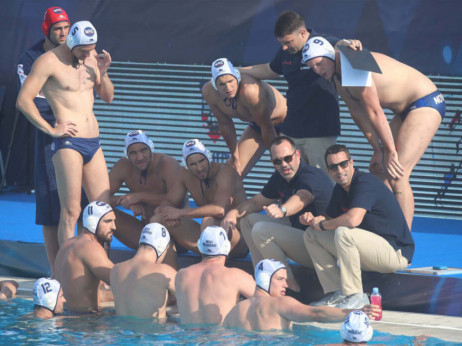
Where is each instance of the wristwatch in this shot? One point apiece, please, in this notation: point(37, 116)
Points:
point(283, 209)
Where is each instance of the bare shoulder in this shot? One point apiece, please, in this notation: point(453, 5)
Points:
point(238, 273)
point(185, 273)
point(167, 270)
point(45, 62)
point(185, 175)
point(208, 91)
point(87, 248)
point(122, 166)
point(249, 87)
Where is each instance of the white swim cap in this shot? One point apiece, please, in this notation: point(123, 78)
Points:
point(317, 47)
point(156, 236)
point(221, 67)
point(137, 136)
point(194, 146)
point(46, 292)
point(214, 242)
point(356, 328)
point(93, 214)
point(82, 33)
point(264, 271)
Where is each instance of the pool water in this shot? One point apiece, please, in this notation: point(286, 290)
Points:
point(108, 329)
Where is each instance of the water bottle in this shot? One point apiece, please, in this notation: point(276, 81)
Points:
point(376, 299)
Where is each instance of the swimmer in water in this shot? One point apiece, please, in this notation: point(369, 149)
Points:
point(48, 298)
point(207, 291)
point(270, 309)
point(149, 176)
point(141, 284)
point(82, 262)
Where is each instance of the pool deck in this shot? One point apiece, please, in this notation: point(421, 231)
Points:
point(446, 328)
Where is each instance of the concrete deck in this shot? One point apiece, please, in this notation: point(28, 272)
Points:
point(446, 328)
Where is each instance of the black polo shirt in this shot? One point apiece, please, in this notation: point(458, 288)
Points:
point(383, 217)
point(307, 178)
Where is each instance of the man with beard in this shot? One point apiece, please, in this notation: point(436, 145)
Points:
point(312, 119)
point(149, 176)
point(215, 187)
point(294, 188)
point(82, 261)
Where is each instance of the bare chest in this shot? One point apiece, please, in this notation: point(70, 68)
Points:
point(145, 182)
point(203, 192)
point(233, 108)
point(73, 79)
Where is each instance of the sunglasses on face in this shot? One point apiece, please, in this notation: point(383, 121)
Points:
point(334, 166)
point(286, 159)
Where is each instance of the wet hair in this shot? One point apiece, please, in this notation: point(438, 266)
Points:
point(335, 149)
point(287, 23)
point(279, 139)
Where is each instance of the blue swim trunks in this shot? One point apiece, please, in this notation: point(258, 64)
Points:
point(258, 129)
point(433, 100)
point(87, 147)
point(47, 207)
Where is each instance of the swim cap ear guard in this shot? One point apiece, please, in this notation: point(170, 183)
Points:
point(194, 146)
point(46, 292)
point(214, 242)
point(156, 236)
point(93, 214)
point(137, 136)
point(82, 33)
point(52, 16)
point(221, 67)
point(264, 271)
point(317, 47)
point(357, 327)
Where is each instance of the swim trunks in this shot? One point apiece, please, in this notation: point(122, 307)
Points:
point(433, 100)
point(87, 147)
point(258, 129)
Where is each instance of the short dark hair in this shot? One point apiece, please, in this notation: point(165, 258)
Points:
point(279, 139)
point(287, 23)
point(335, 149)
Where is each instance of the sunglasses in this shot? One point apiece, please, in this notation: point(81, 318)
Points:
point(334, 166)
point(286, 159)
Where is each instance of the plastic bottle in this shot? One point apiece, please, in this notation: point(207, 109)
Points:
point(376, 299)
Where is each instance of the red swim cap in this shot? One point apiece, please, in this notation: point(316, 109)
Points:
point(52, 16)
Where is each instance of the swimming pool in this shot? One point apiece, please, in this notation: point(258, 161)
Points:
point(108, 329)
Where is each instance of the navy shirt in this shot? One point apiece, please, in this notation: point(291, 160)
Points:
point(312, 101)
point(26, 60)
point(307, 178)
point(383, 213)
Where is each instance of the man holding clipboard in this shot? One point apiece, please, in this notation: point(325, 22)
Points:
point(369, 81)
